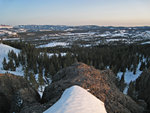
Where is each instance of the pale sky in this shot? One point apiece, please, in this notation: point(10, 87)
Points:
point(76, 12)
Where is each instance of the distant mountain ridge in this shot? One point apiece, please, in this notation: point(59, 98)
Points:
point(83, 27)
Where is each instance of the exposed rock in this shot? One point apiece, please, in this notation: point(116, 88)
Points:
point(143, 87)
point(4, 104)
point(142, 103)
point(15, 93)
point(99, 83)
point(33, 108)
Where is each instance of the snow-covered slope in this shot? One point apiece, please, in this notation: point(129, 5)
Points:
point(4, 49)
point(77, 100)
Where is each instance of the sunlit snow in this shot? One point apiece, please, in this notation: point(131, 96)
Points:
point(77, 100)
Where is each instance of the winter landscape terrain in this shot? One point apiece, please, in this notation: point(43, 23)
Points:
point(51, 36)
point(42, 50)
point(74, 56)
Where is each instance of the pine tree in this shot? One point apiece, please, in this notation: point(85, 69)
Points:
point(35, 68)
point(5, 67)
point(9, 55)
point(16, 60)
point(26, 73)
point(122, 83)
point(52, 69)
point(11, 65)
point(142, 67)
point(41, 80)
point(131, 91)
point(33, 80)
point(46, 72)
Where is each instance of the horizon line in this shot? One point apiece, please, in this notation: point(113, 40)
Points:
point(82, 25)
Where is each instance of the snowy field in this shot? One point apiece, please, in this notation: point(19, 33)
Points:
point(53, 44)
point(77, 100)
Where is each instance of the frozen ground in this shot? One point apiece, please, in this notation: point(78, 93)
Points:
point(77, 100)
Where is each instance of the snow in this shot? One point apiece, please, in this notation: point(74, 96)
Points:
point(4, 49)
point(129, 76)
point(52, 54)
point(54, 44)
point(77, 100)
point(148, 42)
point(118, 34)
point(144, 35)
point(126, 89)
point(112, 40)
point(11, 39)
point(86, 45)
point(41, 90)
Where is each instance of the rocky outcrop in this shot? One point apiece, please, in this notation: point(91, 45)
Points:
point(99, 83)
point(4, 104)
point(33, 108)
point(143, 87)
point(15, 93)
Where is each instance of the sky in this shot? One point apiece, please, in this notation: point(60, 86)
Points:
point(75, 12)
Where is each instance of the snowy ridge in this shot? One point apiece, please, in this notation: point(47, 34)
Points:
point(77, 100)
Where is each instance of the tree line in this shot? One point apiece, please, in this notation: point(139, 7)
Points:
point(38, 61)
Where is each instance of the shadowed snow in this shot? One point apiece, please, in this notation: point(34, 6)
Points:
point(4, 49)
